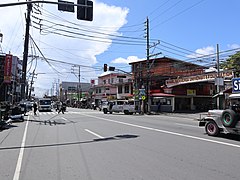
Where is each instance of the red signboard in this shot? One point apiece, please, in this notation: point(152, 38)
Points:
point(8, 68)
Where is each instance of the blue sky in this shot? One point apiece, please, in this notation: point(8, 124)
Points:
point(186, 30)
point(195, 25)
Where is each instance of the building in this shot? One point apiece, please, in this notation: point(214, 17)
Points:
point(74, 91)
point(112, 85)
point(10, 76)
point(177, 85)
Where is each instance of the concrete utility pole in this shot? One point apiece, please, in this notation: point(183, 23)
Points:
point(148, 100)
point(25, 53)
point(31, 85)
point(79, 84)
point(218, 76)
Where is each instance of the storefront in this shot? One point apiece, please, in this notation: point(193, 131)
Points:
point(166, 102)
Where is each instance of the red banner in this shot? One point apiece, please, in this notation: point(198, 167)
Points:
point(8, 68)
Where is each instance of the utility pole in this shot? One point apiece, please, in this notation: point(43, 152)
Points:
point(79, 85)
point(25, 53)
point(148, 100)
point(31, 84)
point(218, 77)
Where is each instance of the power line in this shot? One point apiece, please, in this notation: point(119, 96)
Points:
point(109, 28)
point(168, 9)
point(86, 30)
point(91, 39)
point(181, 12)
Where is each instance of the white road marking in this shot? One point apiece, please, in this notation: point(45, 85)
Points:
point(167, 132)
point(95, 134)
point(20, 156)
point(65, 119)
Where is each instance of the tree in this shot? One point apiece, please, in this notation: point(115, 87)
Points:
point(232, 63)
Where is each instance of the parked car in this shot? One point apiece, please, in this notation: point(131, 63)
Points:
point(125, 106)
point(226, 121)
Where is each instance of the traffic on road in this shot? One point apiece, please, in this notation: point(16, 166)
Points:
point(88, 144)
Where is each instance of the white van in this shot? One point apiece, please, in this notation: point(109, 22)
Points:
point(44, 104)
point(125, 106)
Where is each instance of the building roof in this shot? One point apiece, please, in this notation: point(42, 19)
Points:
point(166, 58)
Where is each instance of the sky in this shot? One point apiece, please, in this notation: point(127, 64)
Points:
point(188, 30)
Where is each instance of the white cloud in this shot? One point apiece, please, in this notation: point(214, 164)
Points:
point(126, 61)
point(202, 51)
point(233, 46)
point(107, 20)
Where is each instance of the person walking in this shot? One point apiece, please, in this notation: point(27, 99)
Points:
point(35, 108)
point(61, 108)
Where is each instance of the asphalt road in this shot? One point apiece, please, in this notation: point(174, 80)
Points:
point(89, 145)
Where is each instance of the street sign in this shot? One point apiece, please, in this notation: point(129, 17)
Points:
point(143, 98)
point(142, 92)
point(236, 85)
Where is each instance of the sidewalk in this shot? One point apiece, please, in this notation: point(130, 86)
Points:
point(193, 116)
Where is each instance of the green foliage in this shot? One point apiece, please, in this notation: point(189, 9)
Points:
point(232, 63)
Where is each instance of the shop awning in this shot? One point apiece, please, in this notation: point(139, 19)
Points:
point(162, 95)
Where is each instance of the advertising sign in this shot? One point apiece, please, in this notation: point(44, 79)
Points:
point(236, 85)
point(8, 69)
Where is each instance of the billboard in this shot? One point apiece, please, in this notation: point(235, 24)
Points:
point(8, 69)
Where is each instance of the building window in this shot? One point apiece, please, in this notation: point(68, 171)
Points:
point(119, 89)
point(98, 90)
point(120, 80)
point(126, 89)
point(112, 80)
point(71, 88)
point(109, 81)
point(104, 81)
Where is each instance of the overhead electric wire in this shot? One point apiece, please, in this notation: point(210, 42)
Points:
point(191, 60)
point(161, 41)
point(86, 30)
point(179, 13)
point(161, 5)
point(43, 55)
point(89, 39)
point(91, 27)
point(85, 35)
point(168, 9)
point(72, 64)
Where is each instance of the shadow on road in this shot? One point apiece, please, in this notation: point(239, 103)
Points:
point(230, 137)
point(117, 137)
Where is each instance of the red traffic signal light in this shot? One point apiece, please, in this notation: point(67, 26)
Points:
point(105, 67)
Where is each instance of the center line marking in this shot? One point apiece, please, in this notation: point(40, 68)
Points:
point(166, 132)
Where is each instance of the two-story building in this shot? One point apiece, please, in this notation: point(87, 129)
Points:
point(177, 85)
point(112, 85)
point(73, 91)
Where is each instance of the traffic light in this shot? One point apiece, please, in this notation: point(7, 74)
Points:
point(85, 13)
point(111, 68)
point(105, 67)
